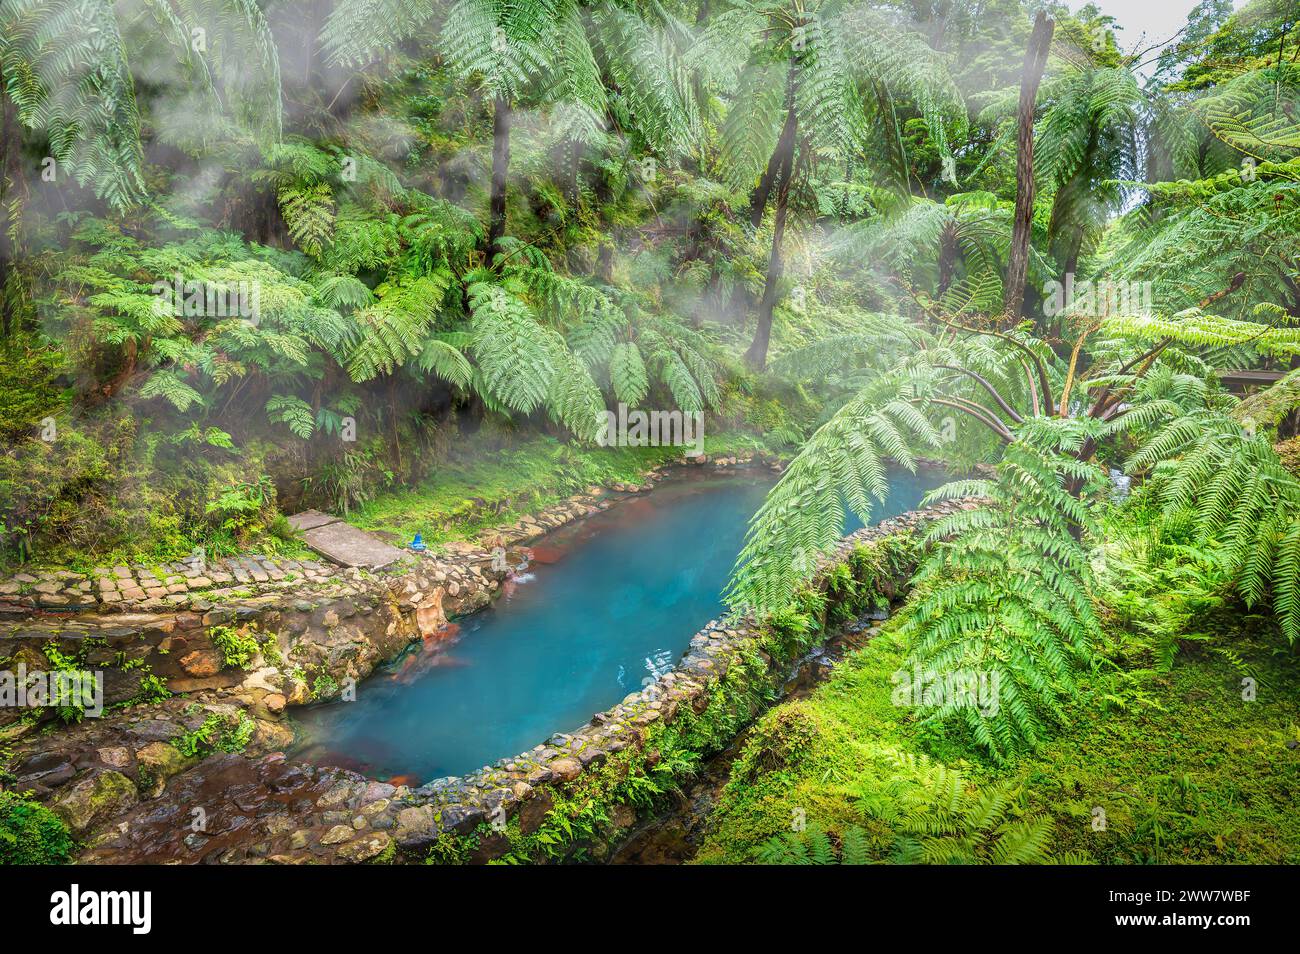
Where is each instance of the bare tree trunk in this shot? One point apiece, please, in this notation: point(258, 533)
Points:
point(756, 356)
point(949, 251)
point(763, 191)
point(1040, 41)
point(500, 169)
point(604, 195)
point(11, 181)
point(571, 177)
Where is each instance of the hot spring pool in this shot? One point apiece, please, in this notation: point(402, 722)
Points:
point(606, 602)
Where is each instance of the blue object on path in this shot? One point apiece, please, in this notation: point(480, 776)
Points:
point(418, 543)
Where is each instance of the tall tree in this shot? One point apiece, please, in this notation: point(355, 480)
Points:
point(1040, 41)
point(821, 81)
point(1088, 141)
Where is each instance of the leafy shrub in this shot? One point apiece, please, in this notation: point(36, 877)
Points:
point(152, 689)
point(244, 509)
point(31, 834)
point(218, 733)
point(237, 647)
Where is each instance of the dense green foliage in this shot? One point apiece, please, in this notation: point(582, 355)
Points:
point(396, 258)
point(31, 834)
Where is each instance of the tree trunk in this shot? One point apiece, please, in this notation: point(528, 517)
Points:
point(604, 196)
point(763, 191)
point(571, 177)
point(500, 169)
point(756, 356)
point(11, 181)
point(1040, 40)
point(949, 251)
point(784, 143)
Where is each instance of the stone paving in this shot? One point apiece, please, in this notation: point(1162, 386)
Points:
point(163, 586)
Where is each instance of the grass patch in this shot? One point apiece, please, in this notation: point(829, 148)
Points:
point(487, 484)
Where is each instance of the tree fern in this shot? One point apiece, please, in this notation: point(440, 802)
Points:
point(803, 515)
point(396, 326)
point(627, 373)
point(1241, 498)
point(1002, 596)
point(67, 70)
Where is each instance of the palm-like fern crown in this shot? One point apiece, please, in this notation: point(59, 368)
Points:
point(1003, 593)
point(849, 68)
point(547, 52)
point(66, 68)
point(973, 227)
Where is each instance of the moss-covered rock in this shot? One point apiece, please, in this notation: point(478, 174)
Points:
point(101, 796)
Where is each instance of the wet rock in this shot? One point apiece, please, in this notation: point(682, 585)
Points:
point(272, 736)
point(96, 799)
point(622, 817)
point(267, 678)
point(415, 827)
point(533, 812)
point(592, 756)
point(337, 835)
point(490, 847)
point(120, 685)
point(337, 796)
point(40, 764)
point(461, 819)
point(44, 771)
point(363, 849)
point(377, 790)
point(159, 730)
point(297, 692)
point(181, 685)
point(565, 769)
point(115, 755)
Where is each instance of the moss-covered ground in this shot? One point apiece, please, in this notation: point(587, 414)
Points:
point(1184, 769)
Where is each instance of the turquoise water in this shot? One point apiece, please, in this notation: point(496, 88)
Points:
point(606, 603)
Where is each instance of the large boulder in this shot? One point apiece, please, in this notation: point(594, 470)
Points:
point(416, 827)
point(96, 799)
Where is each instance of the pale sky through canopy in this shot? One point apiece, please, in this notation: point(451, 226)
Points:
point(1158, 19)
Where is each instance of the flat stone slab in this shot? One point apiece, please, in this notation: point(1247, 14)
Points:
point(348, 546)
point(311, 519)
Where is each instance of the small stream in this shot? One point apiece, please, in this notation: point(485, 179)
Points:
point(605, 604)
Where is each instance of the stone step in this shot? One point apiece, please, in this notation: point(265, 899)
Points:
point(311, 519)
point(349, 546)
